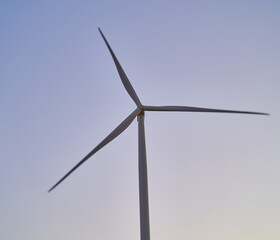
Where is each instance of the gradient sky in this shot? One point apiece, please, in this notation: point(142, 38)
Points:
point(211, 176)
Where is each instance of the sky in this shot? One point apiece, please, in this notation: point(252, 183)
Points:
point(211, 176)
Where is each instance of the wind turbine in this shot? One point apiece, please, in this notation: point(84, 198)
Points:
point(142, 161)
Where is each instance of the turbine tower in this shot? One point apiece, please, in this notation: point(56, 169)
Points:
point(142, 161)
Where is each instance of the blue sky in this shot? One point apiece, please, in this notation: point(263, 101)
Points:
point(211, 176)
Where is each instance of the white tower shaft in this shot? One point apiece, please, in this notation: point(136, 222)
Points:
point(143, 181)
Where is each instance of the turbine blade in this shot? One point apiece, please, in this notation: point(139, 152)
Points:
point(122, 74)
point(195, 109)
point(118, 130)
